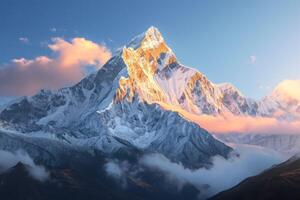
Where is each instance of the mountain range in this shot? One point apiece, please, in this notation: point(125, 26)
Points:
point(142, 101)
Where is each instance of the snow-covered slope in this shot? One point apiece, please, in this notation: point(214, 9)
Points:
point(152, 129)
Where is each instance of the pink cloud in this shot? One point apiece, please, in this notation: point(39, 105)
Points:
point(27, 76)
point(288, 90)
point(246, 124)
point(79, 52)
point(237, 124)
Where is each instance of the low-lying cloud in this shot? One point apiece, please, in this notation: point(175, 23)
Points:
point(26, 76)
point(9, 159)
point(223, 175)
point(238, 124)
point(117, 170)
point(120, 170)
point(247, 124)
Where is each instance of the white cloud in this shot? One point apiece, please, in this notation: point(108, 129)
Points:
point(53, 29)
point(24, 40)
point(113, 169)
point(9, 159)
point(253, 59)
point(223, 175)
point(118, 170)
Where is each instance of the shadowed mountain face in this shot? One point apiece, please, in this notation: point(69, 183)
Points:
point(280, 182)
point(93, 183)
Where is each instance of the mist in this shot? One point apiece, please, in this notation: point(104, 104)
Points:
point(9, 159)
point(245, 161)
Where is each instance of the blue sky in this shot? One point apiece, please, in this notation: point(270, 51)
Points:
point(253, 44)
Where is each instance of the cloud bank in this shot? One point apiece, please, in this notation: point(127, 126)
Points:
point(26, 76)
point(238, 124)
point(246, 124)
point(223, 175)
point(9, 160)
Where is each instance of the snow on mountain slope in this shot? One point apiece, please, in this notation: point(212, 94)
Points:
point(153, 129)
point(7, 101)
point(43, 150)
point(235, 102)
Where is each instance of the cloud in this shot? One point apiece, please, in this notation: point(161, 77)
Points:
point(26, 76)
point(223, 175)
point(229, 123)
point(24, 40)
point(79, 52)
point(119, 170)
point(252, 59)
point(113, 169)
point(247, 124)
point(53, 29)
point(288, 90)
point(9, 159)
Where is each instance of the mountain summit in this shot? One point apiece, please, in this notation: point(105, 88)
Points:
point(156, 76)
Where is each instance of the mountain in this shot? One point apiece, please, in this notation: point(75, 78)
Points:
point(279, 182)
point(283, 104)
point(128, 104)
point(288, 144)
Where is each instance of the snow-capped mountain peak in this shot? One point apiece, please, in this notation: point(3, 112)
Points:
point(156, 76)
point(148, 39)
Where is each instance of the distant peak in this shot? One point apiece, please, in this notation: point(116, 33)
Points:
point(228, 87)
